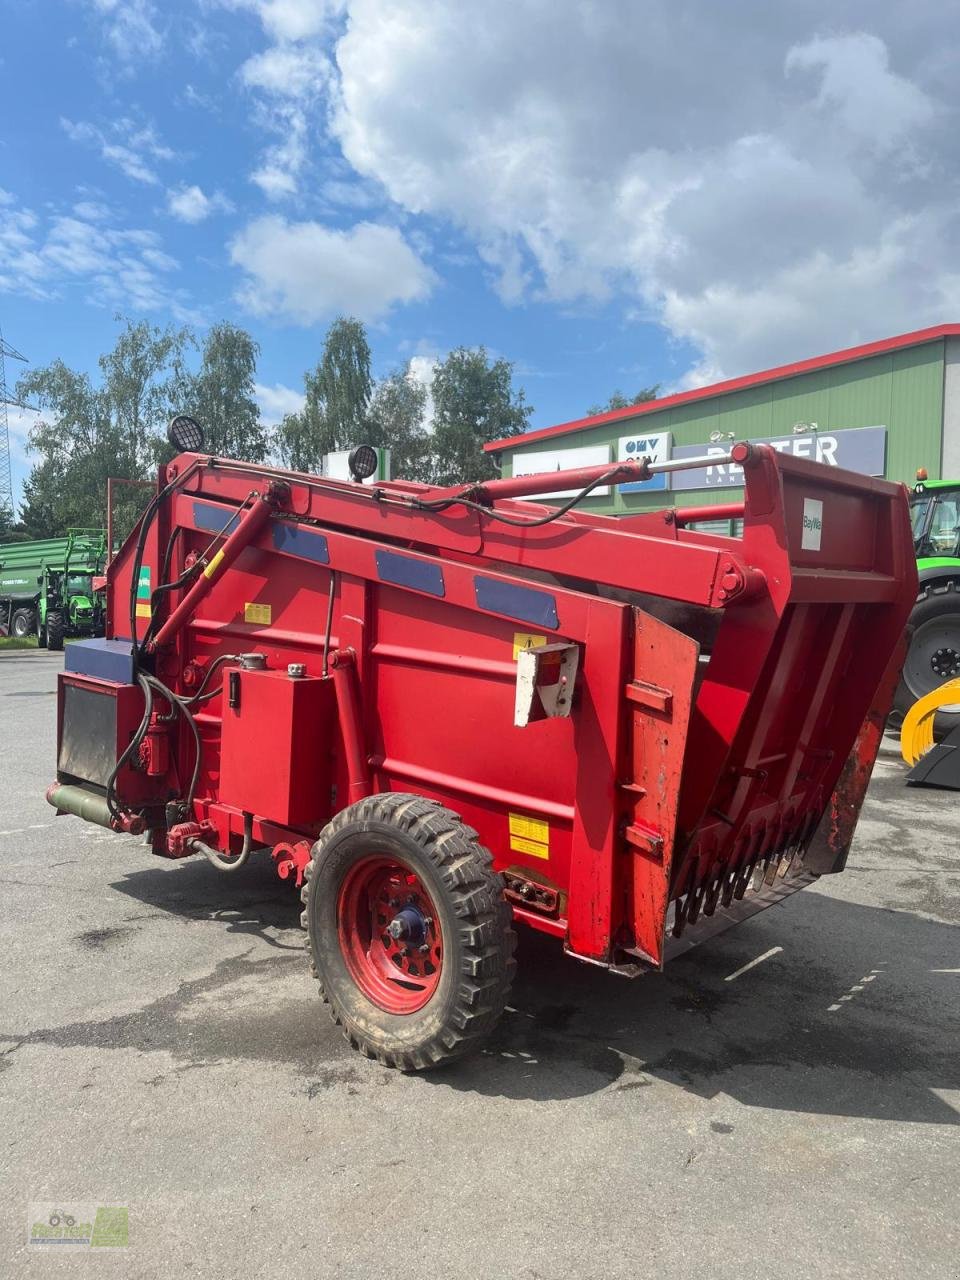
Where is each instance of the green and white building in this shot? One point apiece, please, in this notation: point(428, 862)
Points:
point(883, 409)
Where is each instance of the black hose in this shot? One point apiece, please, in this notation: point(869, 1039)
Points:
point(178, 703)
point(200, 695)
point(442, 504)
point(133, 745)
point(329, 627)
point(145, 522)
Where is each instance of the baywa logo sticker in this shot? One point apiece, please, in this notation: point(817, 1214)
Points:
point(812, 524)
point(60, 1224)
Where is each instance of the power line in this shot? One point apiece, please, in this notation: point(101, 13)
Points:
point(6, 475)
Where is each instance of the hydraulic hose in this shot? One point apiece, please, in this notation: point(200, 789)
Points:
point(133, 745)
point(178, 704)
point(228, 864)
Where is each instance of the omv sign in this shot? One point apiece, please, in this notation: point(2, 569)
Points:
point(656, 447)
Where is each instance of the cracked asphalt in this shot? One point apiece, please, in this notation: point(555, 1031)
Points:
point(162, 1047)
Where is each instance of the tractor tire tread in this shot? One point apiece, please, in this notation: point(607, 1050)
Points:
point(56, 627)
point(487, 938)
point(903, 698)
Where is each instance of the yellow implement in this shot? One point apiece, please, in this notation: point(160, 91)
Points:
point(916, 732)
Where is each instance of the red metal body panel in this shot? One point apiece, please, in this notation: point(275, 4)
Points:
point(276, 746)
point(721, 686)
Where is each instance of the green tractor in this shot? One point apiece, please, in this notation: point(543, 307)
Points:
point(53, 589)
point(934, 653)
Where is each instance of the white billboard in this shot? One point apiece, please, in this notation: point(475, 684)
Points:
point(587, 455)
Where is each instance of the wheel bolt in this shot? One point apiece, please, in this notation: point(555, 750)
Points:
point(424, 948)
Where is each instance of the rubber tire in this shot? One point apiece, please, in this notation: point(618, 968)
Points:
point(475, 921)
point(41, 635)
point(935, 598)
point(25, 619)
point(55, 629)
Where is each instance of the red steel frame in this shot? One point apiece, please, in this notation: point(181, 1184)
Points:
point(673, 778)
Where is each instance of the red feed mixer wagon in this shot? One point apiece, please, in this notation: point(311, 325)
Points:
point(446, 712)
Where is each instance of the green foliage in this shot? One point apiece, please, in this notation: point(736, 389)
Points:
point(343, 383)
point(474, 403)
point(221, 396)
point(619, 401)
point(338, 393)
point(395, 421)
point(145, 382)
point(87, 433)
point(7, 522)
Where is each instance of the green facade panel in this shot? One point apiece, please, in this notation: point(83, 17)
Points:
point(900, 390)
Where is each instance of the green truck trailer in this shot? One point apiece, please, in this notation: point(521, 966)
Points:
point(47, 588)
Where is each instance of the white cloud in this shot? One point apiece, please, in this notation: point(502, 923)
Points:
point(287, 70)
point(289, 80)
point(19, 422)
point(421, 369)
point(116, 266)
point(304, 271)
point(278, 174)
point(290, 19)
point(277, 401)
point(191, 204)
point(764, 190)
point(130, 27)
point(874, 104)
point(129, 146)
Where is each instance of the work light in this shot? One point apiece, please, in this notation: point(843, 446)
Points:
point(363, 462)
point(185, 434)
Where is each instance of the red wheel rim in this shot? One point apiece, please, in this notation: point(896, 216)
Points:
point(389, 934)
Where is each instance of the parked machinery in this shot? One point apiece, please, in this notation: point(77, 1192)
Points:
point(447, 712)
point(49, 588)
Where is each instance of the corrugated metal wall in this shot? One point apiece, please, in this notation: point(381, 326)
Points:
point(900, 390)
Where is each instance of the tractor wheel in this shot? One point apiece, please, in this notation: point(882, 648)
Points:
point(55, 629)
point(22, 623)
point(410, 934)
point(934, 653)
point(41, 632)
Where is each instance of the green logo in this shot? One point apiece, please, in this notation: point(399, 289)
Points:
point(78, 1226)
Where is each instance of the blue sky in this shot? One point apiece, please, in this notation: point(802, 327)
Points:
point(608, 194)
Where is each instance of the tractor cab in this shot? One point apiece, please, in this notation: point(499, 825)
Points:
point(935, 515)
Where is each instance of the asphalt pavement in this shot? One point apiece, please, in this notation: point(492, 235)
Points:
point(783, 1101)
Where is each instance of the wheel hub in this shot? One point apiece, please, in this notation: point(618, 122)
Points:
point(946, 662)
point(389, 935)
point(408, 925)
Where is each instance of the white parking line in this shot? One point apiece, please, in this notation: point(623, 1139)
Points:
point(857, 987)
point(759, 960)
point(34, 826)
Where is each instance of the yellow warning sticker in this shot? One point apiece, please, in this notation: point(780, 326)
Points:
point(529, 835)
point(143, 609)
point(529, 828)
point(531, 847)
point(262, 614)
point(524, 640)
